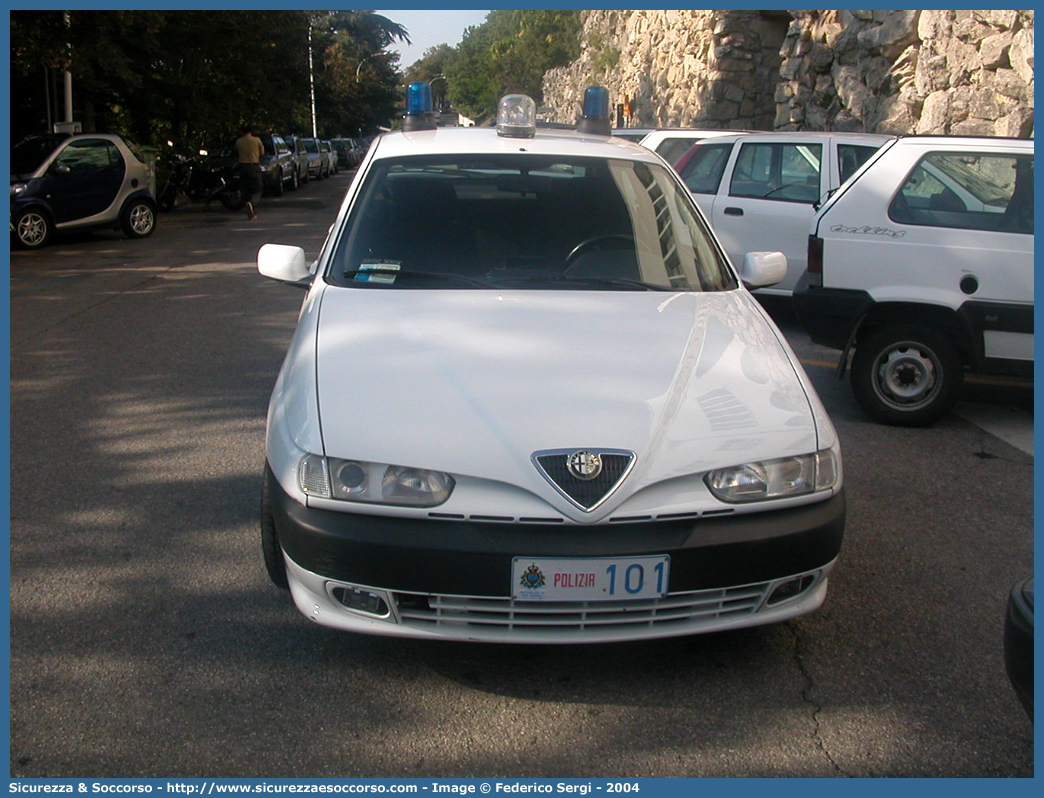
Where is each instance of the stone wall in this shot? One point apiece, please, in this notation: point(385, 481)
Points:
point(949, 72)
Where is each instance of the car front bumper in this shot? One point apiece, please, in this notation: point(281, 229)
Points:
point(452, 579)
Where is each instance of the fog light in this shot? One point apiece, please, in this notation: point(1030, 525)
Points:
point(789, 589)
point(361, 599)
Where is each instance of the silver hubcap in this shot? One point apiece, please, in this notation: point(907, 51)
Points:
point(31, 229)
point(907, 375)
point(141, 219)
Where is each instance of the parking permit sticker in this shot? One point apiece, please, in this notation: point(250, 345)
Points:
point(371, 271)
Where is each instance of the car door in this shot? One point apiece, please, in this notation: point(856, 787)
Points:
point(766, 202)
point(84, 179)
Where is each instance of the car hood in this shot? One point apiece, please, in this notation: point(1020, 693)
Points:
point(474, 382)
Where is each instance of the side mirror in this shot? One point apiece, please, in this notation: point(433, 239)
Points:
point(61, 169)
point(285, 264)
point(761, 269)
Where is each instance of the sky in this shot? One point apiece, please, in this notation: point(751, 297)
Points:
point(428, 28)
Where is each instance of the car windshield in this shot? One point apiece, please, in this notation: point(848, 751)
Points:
point(311, 145)
point(526, 221)
point(28, 154)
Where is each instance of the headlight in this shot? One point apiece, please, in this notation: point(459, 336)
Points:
point(373, 483)
point(774, 479)
point(17, 188)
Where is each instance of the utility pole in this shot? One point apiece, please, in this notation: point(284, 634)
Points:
point(311, 79)
point(68, 75)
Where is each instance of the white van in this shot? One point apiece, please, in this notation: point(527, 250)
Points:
point(923, 264)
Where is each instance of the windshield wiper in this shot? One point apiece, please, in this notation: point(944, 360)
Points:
point(399, 275)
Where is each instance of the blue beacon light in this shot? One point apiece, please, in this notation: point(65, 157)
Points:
point(595, 118)
point(419, 115)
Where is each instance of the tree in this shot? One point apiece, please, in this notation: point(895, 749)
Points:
point(509, 54)
point(356, 81)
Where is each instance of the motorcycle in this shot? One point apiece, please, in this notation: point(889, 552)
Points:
point(200, 180)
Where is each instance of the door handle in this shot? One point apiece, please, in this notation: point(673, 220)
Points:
point(733, 211)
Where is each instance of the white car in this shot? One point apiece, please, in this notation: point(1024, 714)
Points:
point(761, 190)
point(923, 264)
point(529, 400)
point(673, 142)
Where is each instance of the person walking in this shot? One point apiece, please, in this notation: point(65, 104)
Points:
point(250, 149)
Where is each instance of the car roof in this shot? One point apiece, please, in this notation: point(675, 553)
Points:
point(475, 140)
point(805, 135)
point(974, 142)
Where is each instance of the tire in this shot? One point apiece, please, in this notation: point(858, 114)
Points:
point(138, 218)
point(270, 548)
point(295, 181)
point(278, 188)
point(32, 228)
point(235, 199)
point(906, 375)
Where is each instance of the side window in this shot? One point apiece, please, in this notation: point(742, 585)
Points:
point(88, 155)
point(968, 191)
point(785, 172)
point(851, 157)
point(702, 174)
point(674, 148)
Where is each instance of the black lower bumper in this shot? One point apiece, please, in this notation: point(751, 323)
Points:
point(829, 315)
point(474, 558)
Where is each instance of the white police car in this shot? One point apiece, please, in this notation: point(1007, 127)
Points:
point(530, 400)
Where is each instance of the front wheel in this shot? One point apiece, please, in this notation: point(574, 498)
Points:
point(906, 375)
point(138, 218)
point(32, 228)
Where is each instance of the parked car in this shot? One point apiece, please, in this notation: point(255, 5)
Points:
point(600, 435)
point(672, 143)
point(343, 151)
point(760, 190)
point(299, 155)
point(329, 157)
point(635, 134)
point(317, 164)
point(61, 182)
point(923, 264)
point(1018, 642)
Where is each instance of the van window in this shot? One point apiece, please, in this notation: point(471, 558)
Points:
point(784, 172)
point(851, 157)
point(968, 191)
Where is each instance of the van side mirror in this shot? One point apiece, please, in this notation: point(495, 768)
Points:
point(285, 264)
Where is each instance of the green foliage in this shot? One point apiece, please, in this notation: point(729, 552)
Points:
point(193, 77)
point(510, 53)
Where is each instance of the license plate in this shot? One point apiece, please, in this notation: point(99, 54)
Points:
point(595, 579)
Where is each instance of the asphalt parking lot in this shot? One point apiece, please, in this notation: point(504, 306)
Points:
point(147, 641)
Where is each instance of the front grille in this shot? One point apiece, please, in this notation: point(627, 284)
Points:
point(585, 493)
point(502, 618)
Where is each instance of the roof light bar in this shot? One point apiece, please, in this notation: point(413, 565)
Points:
point(595, 118)
point(516, 116)
point(419, 115)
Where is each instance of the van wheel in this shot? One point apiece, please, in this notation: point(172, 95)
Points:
point(906, 375)
point(270, 548)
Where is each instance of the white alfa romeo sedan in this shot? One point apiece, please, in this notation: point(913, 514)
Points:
point(530, 400)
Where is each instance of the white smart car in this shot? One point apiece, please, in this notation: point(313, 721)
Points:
point(529, 400)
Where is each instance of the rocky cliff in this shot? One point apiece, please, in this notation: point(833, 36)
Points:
point(946, 72)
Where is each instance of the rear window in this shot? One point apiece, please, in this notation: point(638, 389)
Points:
point(702, 173)
point(526, 221)
point(968, 191)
